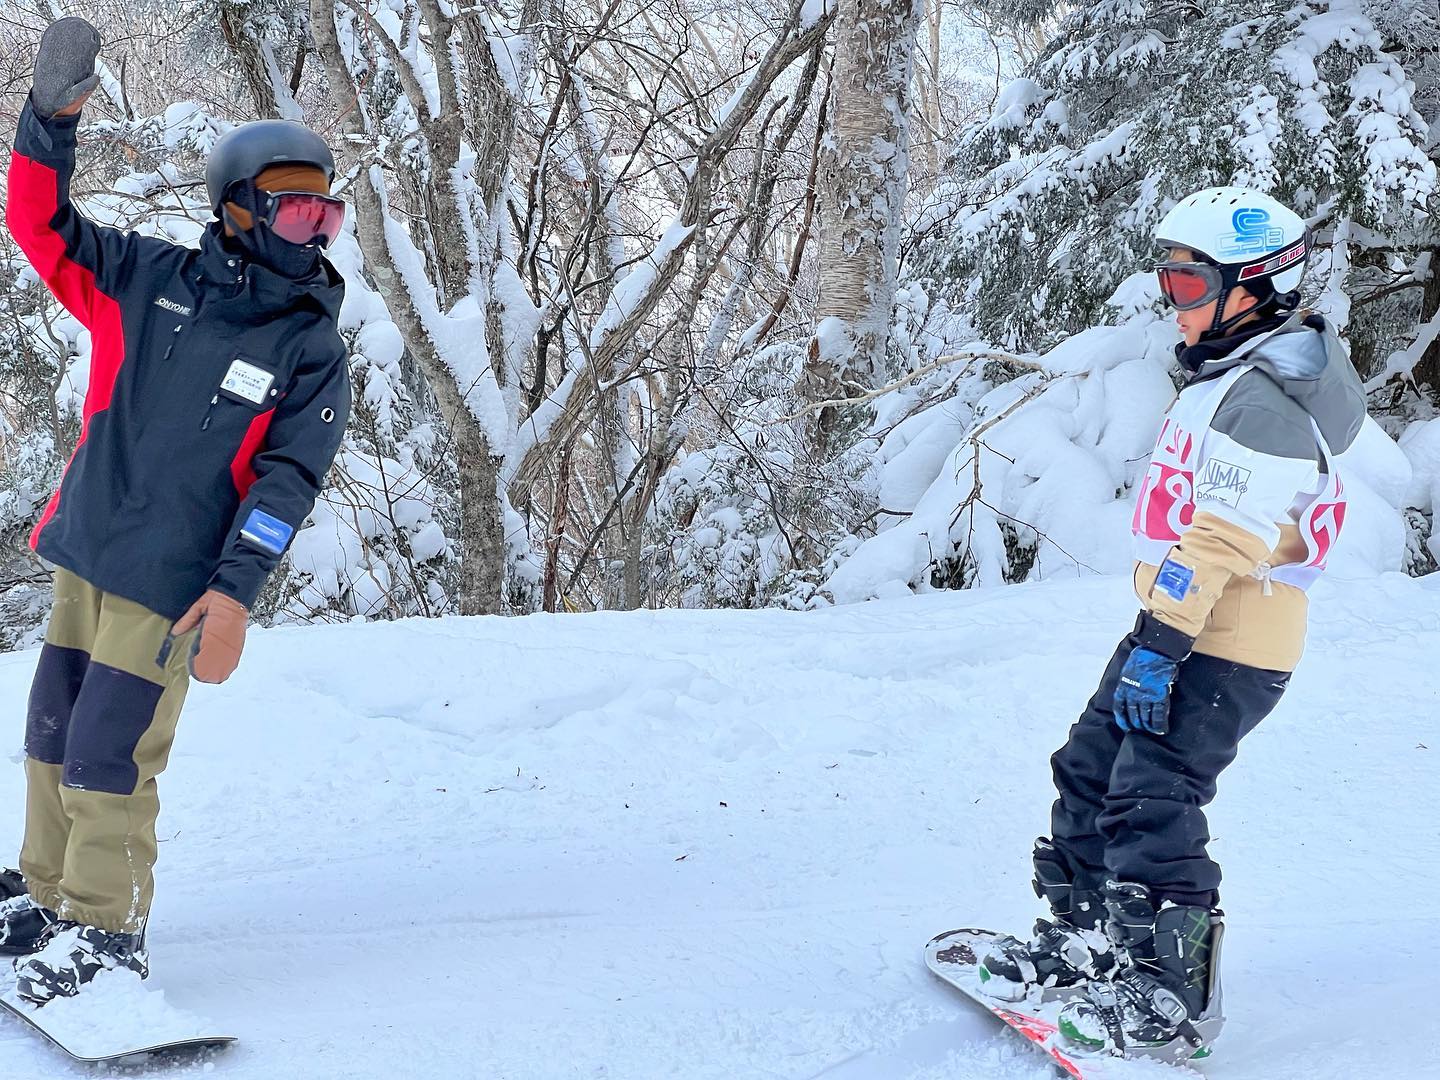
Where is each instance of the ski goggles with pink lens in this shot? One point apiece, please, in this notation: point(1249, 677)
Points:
point(1189, 285)
point(303, 217)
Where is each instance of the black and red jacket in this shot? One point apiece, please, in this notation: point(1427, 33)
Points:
point(171, 472)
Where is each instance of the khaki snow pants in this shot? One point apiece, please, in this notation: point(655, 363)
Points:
point(101, 720)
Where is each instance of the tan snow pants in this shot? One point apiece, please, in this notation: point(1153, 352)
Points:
point(101, 719)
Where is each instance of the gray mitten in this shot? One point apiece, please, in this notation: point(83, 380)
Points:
point(64, 65)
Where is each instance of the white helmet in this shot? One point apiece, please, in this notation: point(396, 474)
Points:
point(1239, 237)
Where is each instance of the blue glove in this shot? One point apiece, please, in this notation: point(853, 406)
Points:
point(1142, 697)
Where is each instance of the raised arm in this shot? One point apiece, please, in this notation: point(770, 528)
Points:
point(84, 264)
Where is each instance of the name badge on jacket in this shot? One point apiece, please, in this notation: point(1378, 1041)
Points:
point(247, 382)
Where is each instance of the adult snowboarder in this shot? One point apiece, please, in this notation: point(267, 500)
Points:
point(217, 398)
point(1238, 511)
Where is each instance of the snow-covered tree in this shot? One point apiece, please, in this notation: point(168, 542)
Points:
point(646, 265)
point(1037, 240)
point(1133, 105)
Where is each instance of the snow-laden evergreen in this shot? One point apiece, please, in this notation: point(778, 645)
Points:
point(1135, 105)
point(991, 472)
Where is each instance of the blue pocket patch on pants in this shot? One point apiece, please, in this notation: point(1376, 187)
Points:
point(1174, 580)
point(266, 532)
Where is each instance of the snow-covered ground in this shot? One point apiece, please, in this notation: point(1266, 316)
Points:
point(712, 844)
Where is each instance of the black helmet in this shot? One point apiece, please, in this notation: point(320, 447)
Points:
point(244, 152)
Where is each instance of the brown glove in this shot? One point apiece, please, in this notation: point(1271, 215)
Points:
point(217, 650)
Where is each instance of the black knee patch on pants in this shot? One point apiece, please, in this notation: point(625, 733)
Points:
point(113, 711)
point(58, 678)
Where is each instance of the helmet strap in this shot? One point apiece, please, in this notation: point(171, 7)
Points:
point(1220, 326)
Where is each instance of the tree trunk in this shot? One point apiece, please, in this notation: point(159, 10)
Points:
point(559, 521)
point(934, 109)
point(273, 98)
point(605, 250)
point(482, 533)
point(482, 522)
point(1427, 368)
point(861, 194)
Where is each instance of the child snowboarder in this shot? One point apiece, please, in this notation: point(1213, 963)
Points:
point(1238, 511)
point(218, 394)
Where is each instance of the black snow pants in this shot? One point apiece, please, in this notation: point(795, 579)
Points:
point(1129, 805)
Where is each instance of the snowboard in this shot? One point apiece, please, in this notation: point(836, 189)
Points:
point(88, 1051)
point(955, 955)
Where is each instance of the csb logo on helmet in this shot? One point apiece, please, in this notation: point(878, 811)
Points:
point(1253, 235)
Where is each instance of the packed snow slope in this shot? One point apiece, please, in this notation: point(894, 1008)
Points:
point(712, 844)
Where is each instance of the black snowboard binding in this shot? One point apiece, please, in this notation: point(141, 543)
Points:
point(1065, 952)
point(25, 926)
point(76, 954)
point(1164, 999)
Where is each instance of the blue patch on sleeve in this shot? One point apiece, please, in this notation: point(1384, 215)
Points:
point(266, 532)
point(1174, 580)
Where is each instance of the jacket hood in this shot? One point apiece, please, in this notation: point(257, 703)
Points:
point(1306, 357)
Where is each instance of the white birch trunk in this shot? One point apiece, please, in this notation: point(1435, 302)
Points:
point(862, 184)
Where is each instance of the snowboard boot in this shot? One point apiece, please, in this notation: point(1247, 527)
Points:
point(25, 926)
point(73, 957)
point(1065, 953)
point(12, 884)
point(1164, 998)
